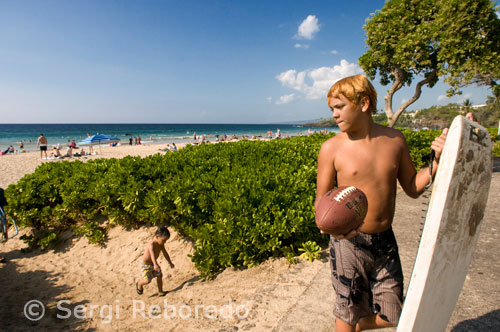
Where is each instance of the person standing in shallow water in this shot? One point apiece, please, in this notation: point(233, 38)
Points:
point(42, 144)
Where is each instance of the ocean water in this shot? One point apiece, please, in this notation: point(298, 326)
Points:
point(13, 134)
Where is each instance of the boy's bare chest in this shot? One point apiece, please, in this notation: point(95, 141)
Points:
point(367, 161)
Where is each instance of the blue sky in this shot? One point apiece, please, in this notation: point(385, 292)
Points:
point(183, 61)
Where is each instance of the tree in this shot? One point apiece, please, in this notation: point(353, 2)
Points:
point(454, 40)
point(467, 103)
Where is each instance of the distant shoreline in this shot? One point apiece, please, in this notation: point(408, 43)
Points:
point(63, 134)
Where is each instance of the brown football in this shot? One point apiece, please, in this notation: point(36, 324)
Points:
point(341, 210)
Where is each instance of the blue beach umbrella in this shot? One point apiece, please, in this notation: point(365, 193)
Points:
point(98, 139)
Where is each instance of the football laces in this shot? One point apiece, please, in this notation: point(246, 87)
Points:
point(343, 194)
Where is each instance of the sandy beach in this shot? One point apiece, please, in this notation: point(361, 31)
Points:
point(93, 287)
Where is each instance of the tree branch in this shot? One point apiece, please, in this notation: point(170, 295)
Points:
point(418, 92)
point(400, 75)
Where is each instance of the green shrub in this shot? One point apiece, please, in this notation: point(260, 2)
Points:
point(419, 144)
point(494, 134)
point(310, 251)
point(496, 149)
point(241, 203)
point(92, 231)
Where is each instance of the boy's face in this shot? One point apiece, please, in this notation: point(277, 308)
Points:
point(345, 112)
point(161, 239)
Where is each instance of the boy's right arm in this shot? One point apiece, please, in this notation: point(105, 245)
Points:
point(327, 175)
point(326, 170)
point(167, 257)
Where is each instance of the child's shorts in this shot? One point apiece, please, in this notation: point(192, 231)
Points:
point(367, 277)
point(149, 272)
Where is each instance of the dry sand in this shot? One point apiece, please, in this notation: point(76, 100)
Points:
point(271, 297)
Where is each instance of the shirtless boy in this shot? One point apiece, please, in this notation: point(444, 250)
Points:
point(366, 269)
point(42, 143)
point(150, 268)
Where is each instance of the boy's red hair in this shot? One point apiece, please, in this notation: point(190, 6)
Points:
point(354, 88)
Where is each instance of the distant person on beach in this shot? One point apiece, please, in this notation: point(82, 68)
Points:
point(269, 134)
point(130, 140)
point(470, 116)
point(365, 265)
point(69, 152)
point(278, 133)
point(42, 143)
point(8, 150)
point(150, 268)
point(56, 152)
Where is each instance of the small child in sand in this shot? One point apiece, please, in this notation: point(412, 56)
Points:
point(150, 268)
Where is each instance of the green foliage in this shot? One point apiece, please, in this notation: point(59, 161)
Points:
point(48, 238)
point(494, 134)
point(380, 118)
point(488, 116)
point(419, 144)
point(92, 231)
point(310, 251)
point(456, 40)
point(496, 149)
point(437, 117)
point(42, 240)
point(241, 203)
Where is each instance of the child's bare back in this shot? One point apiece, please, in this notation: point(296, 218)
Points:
point(150, 268)
point(151, 248)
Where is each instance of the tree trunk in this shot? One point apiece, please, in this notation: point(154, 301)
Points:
point(393, 118)
point(399, 74)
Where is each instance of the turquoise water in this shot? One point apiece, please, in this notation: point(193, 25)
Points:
point(13, 134)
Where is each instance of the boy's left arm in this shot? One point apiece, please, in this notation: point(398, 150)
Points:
point(414, 183)
point(167, 257)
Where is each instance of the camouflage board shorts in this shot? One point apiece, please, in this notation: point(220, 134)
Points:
point(367, 277)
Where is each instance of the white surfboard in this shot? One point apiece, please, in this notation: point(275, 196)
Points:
point(451, 228)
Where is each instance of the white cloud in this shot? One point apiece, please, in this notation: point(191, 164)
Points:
point(308, 28)
point(286, 99)
point(304, 46)
point(498, 14)
point(269, 99)
point(442, 97)
point(334, 52)
point(321, 79)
